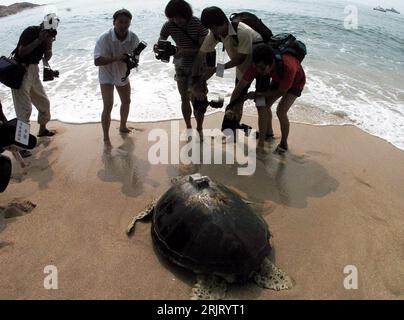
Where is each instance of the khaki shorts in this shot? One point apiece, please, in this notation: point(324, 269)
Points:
point(183, 75)
point(31, 93)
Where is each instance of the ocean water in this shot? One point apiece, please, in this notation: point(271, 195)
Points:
point(353, 76)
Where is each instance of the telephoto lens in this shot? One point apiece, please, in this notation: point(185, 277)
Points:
point(165, 50)
point(142, 45)
point(217, 103)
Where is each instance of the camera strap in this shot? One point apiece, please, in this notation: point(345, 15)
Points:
point(45, 62)
point(195, 42)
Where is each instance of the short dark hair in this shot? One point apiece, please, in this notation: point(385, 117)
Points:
point(213, 16)
point(179, 8)
point(122, 12)
point(263, 53)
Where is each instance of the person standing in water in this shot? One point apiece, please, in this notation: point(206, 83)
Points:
point(110, 55)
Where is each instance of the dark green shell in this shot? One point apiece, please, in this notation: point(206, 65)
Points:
point(209, 230)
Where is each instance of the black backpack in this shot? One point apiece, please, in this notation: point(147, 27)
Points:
point(11, 72)
point(253, 22)
point(280, 43)
point(287, 43)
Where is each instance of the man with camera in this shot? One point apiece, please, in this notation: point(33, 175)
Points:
point(273, 83)
point(111, 55)
point(35, 44)
point(237, 43)
point(188, 34)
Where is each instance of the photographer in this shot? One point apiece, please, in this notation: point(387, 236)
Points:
point(273, 84)
point(188, 34)
point(239, 51)
point(110, 55)
point(35, 43)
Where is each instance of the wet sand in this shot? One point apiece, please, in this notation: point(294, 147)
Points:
point(335, 199)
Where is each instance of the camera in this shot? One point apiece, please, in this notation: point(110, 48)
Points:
point(217, 103)
point(49, 74)
point(164, 50)
point(203, 104)
point(52, 32)
point(132, 60)
point(11, 133)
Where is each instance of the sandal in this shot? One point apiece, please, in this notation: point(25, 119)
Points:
point(46, 133)
point(280, 150)
point(267, 137)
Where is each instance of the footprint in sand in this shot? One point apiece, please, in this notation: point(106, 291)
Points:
point(363, 182)
point(321, 154)
point(5, 244)
point(299, 159)
point(17, 209)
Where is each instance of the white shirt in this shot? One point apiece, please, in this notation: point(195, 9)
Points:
point(246, 37)
point(108, 45)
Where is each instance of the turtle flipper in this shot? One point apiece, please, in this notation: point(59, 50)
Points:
point(141, 215)
point(271, 277)
point(209, 287)
point(176, 179)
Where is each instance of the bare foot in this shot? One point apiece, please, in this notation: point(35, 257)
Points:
point(281, 149)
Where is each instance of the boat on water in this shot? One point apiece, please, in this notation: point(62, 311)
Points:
point(393, 10)
point(379, 8)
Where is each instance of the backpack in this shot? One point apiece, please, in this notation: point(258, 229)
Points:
point(287, 43)
point(280, 43)
point(11, 72)
point(253, 22)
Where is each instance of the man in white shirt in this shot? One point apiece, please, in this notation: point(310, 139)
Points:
point(237, 43)
point(110, 55)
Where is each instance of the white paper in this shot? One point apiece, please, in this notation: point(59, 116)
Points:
point(260, 101)
point(22, 133)
point(220, 70)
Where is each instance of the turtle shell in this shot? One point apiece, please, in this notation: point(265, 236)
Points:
point(209, 229)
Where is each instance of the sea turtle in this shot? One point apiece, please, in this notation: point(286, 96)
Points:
point(206, 228)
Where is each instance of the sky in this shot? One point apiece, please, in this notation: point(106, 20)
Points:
point(398, 4)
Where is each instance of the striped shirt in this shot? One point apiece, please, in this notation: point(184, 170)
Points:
point(196, 31)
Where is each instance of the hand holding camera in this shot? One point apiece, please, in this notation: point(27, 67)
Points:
point(164, 50)
point(45, 36)
point(132, 60)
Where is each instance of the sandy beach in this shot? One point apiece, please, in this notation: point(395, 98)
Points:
point(335, 199)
